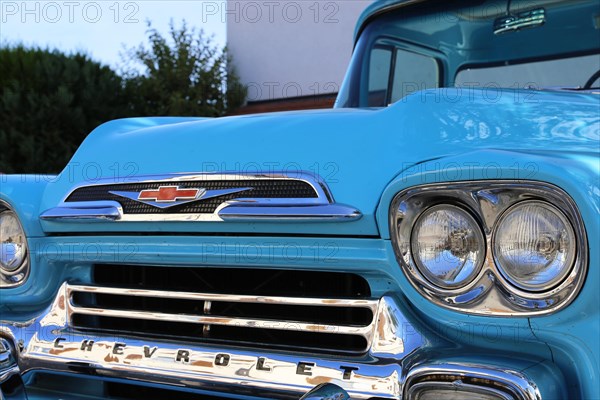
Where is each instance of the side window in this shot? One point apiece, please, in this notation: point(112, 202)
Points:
point(379, 75)
point(413, 72)
point(394, 73)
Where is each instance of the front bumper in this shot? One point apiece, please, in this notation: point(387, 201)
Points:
point(402, 356)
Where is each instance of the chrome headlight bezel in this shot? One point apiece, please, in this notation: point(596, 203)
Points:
point(499, 382)
point(490, 292)
point(12, 277)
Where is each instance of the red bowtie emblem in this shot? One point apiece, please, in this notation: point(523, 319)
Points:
point(169, 194)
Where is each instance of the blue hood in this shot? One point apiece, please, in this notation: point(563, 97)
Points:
point(357, 152)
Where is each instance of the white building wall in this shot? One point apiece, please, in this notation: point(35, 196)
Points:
point(291, 48)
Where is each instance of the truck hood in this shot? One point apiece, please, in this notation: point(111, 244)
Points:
point(356, 152)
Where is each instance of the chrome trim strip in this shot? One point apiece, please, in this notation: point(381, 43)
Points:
point(525, 19)
point(329, 212)
point(319, 209)
point(489, 293)
point(97, 212)
point(289, 325)
point(87, 211)
point(513, 382)
point(250, 202)
point(299, 301)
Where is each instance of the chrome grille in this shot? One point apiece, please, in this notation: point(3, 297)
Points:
point(203, 197)
point(260, 189)
point(128, 302)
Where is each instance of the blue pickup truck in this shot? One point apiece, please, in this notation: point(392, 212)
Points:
point(434, 236)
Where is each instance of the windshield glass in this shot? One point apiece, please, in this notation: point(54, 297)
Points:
point(569, 72)
point(544, 44)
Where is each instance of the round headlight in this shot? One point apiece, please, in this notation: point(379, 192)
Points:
point(448, 246)
point(13, 244)
point(534, 245)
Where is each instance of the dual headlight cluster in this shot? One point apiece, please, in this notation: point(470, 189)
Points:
point(533, 245)
point(459, 242)
point(14, 254)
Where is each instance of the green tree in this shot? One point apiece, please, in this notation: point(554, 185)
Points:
point(49, 102)
point(183, 74)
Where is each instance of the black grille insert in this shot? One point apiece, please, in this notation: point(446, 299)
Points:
point(245, 281)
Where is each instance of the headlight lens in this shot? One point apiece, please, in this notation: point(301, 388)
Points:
point(448, 246)
point(13, 244)
point(534, 245)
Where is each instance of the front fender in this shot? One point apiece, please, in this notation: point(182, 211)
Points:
point(23, 194)
point(571, 334)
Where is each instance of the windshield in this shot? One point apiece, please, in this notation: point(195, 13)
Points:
point(409, 50)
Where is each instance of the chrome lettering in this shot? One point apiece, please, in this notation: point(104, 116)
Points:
point(222, 359)
point(118, 348)
point(348, 371)
point(183, 356)
point(304, 368)
point(260, 365)
point(148, 352)
point(87, 345)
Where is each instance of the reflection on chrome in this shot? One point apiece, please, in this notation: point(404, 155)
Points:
point(466, 380)
point(11, 384)
point(14, 253)
point(326, 391)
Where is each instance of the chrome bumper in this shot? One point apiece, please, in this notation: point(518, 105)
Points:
point(11, 384)
point(392, 364)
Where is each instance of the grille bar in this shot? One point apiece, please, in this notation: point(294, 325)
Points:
point(362, 303)
point(237, 322)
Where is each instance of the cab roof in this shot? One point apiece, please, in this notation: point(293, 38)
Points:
point(379, 7)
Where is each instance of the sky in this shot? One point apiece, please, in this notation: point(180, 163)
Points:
point(103, 28)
